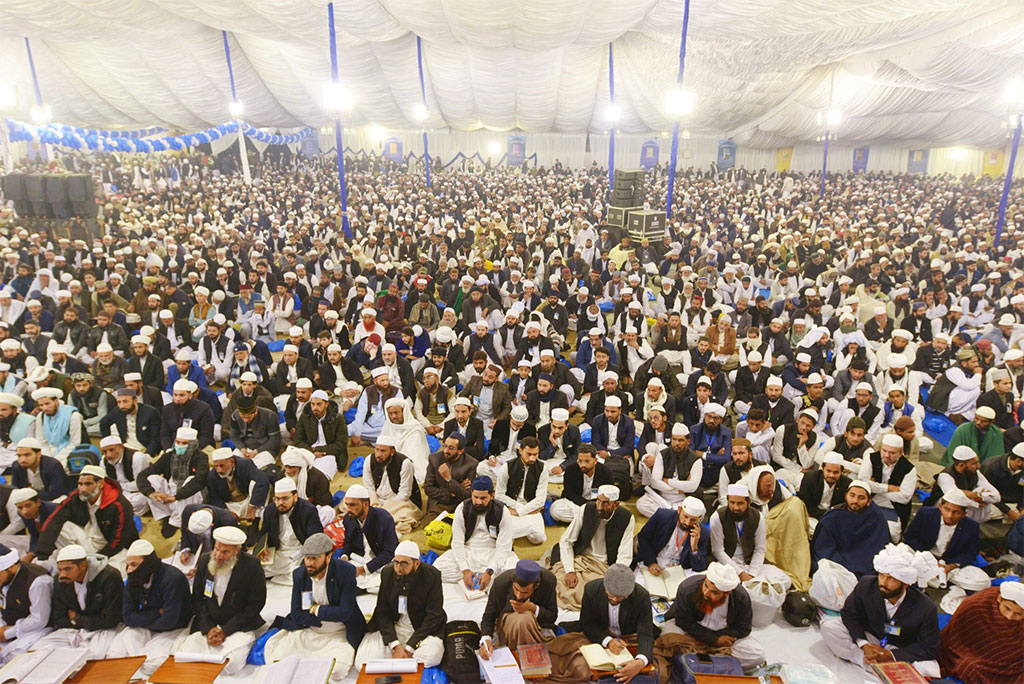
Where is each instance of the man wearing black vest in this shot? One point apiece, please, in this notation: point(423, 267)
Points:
point(287, 523)
point(739, 534)
point(676, 474)
point(559, 442)
point(505, 441)
point(893, 479)
point(370, 538)
point(600, 536)
point(861, 406)
point(822, 489)
point(523, 488)
point(580, 483)
point(481, 540)
point(123, 470)
point(27, 590)
point(736, 469)
point(391, 481)
point(1006, 474)
point(409, 619)
point(466, 424)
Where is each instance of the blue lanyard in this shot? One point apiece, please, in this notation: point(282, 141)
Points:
point(709, 441)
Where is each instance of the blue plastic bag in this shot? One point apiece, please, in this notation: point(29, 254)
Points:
point(256, 653)
point(355, 468)
point(277, 345)
point(433, 444)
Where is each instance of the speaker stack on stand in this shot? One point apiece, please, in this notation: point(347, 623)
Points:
point(626, 211)
point(51, 196)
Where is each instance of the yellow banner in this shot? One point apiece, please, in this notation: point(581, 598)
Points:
point(783, 158)
point(993, 163)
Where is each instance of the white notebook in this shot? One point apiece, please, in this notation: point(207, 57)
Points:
point(296, 670)
point(391, 666)
point(46, 666)
point(665, 584)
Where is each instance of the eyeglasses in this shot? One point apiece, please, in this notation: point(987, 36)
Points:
point(401, 563)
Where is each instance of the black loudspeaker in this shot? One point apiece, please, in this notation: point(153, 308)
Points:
point(56, 189)
point(41, 210)
point(23, 208)
point(649, 224)
point(80, 187)
point(14, 187)
point(35, 187)
point(86, 208)
point(628, 175)
point(617, 216)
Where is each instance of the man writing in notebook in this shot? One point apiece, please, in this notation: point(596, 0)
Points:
point(521, 608)
point(616, 613)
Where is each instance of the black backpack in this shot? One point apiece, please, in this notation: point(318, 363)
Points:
point(461, 641)
point(938, 397)
point(619, 465)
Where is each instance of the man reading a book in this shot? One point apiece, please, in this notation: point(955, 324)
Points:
point(616, 613)
point(25, 615)
point(482, 536)
point(324, 621)
point(228, 593)
point(286, 523)
point(713, 613)
point(521, 608)
point(886, 618)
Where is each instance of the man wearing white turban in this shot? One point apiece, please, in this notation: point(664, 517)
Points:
point(407, 435)
point(887, 618)
point(310, 482)
point(712, 611)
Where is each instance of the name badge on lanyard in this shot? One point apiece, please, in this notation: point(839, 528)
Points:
point(403, 604)
point(208, 589)
point(892, 630)
point(307, 600)
point(493, 531)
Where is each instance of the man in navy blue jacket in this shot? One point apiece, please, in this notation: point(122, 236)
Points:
point(713, 442)
point(370, 538)
point(674, 536)
point(32, 513)
point(946, 531)
point(157, 608)
point(324, 620)
point(235, 483)
point(32, 461)
point(612, 433)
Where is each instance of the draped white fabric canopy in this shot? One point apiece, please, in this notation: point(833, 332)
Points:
point(927, 72)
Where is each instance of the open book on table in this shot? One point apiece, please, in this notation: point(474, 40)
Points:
point(665, 584)
point(45, 666)
point(600, 658)
point(297, 670)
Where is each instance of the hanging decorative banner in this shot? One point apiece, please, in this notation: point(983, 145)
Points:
point(783, 159)
point(393, 149)
point(310, 147)
point(860, 159)
point(649, 153)
point(992, 163)
point(917, 161)
point(516, 151)
point(726, 154)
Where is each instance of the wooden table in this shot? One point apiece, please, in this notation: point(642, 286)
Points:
point(407, 678)
point(108, 671)
point(732, 679)
point(186, 673)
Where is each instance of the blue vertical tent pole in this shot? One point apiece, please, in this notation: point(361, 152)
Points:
point(423, 95)
point(824, 164)
point(675, 125)
point(32, 68)
point(342, 189)
point(1008, 181)
point(231, 72)
point(611, 140)
point(242, 153)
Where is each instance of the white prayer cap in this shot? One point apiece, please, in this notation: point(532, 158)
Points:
point(865, 386)
point(140, 547)
point(368, 312)
point(613, 402)
point(387, 440)
point(1006, 319)
point(304, 383)
point(110, 440)
point(166, 313)
point(547, 352)
point(247, 376)
point(378, 371)
point(11, 400)
point(595, 332)
point(774, 381)
point(140, 339)
point(815, 379)
point(902, 563)
point(944, 337)
point(187, 433)
point(103, 348)
point(1013, 355)
point(232, 536)
point(133, 377)
point(608, 491)
point(44, 392)
point(862, 484)
point(291, 348)
point(29, 443)
point(832, 458)
point(810, 413)
point(956, 497)
point(183, 385)
point(285, 484)
point(200, 521)
point(481, 324)
point(691, 505)
point(357, 491)
point(897, 361)
point(22, 495)
point(892, 440)
point(407, 549)
point(222, 454)
point(986, 412)
point(430, 370)
point(94, 471)
point(1012, 591)
point(905, 334)
point(319, 394)
point(388, 347)
point(607, 375)
point(656, 382)
point(8, 559)
point(680, 430)
point(964, 453)
point(803, 357)
point(295, 331)
point(183, 355)
point(738, 490)
point(560, 414)
point(722, 576)
point(716, 409)
point(755, 357)
point(521, 414)
point(71, 552)
point(462, 401)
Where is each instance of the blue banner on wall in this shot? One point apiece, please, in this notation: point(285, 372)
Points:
point(917, 161)
point(393, 149)
point(310, 147)
point(649, 153)
point(860, 159)
point(726, 154)
point(516, 152)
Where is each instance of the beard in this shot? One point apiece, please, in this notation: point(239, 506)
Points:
point(480, 510)
point(217, 569)
point(225, 476)
point(605, 514)
point(707, 606)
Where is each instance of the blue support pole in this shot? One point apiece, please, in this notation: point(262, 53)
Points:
point(342, 188)
point(611, 140)
point(231, 72)
point(1008, 180)
point(675, 126)
point(423, 96)
point(824, 164)
point(32, 68)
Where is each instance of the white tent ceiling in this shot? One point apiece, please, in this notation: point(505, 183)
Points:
point(926, 72)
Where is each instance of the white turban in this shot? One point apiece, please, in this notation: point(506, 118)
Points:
point(610, 492)
point(1012, 591)
point(295, 457)
point(200, 521)
point(906, 565)
point(722, 576)
point(232, 536)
